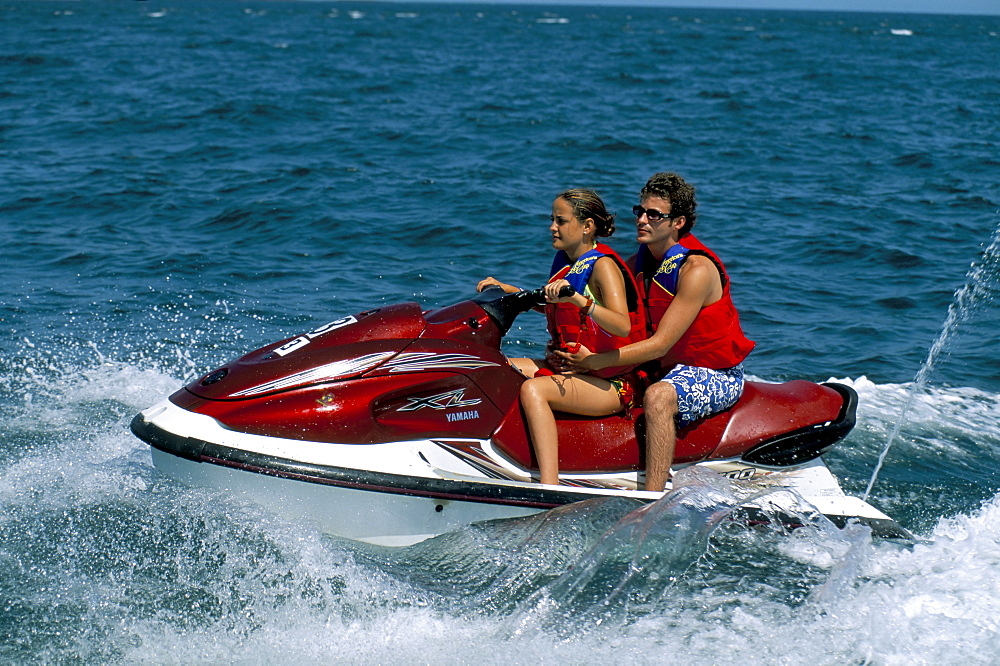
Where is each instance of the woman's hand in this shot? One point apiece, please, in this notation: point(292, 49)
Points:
point(552, 294)
point(493, 282)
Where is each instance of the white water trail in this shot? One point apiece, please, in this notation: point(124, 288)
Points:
point(966, 299)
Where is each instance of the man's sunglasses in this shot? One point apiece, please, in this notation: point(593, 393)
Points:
point(651, 213)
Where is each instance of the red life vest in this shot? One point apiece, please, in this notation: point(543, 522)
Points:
point(715, 339)
point(569, 324)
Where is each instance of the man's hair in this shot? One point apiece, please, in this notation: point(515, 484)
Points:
point(678, 192)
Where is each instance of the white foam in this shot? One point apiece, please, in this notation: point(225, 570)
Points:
point(968, 411)
point(274, 591)
point(936, 603)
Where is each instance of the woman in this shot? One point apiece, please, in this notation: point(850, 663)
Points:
point(604, 311)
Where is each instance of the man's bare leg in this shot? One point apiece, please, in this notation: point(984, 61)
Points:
point(660, 404)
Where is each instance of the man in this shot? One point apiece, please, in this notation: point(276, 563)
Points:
point(694, 328)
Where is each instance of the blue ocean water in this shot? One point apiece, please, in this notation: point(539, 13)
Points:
point(186, 181)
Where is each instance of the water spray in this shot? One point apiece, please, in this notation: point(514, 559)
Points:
point(966, 298)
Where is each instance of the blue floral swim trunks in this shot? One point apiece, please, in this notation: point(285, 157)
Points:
point(702, 392)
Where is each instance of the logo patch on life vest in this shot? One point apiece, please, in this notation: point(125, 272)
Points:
point(669, 265)
point(582, 265)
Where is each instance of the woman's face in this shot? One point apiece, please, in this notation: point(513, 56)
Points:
point(567, 232)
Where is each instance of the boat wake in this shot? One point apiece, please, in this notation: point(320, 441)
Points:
point(107, 559)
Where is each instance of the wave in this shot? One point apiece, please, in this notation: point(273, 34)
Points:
point(107, 559)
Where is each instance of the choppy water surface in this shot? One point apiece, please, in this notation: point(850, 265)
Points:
point(184, 182)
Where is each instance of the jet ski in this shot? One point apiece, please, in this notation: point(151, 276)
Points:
point(397, 424)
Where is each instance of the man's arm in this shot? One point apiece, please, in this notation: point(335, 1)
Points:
point(698, 286)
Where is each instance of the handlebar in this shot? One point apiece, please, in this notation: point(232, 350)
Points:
point(504, 307)
point(539, 293)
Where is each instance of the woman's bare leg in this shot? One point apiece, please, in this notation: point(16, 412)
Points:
point(528, 366)
point(576, 394)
